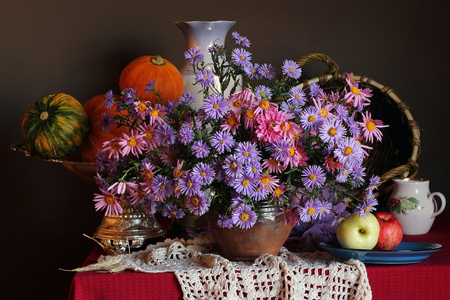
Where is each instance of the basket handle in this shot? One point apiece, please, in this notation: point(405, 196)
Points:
point(333, 68)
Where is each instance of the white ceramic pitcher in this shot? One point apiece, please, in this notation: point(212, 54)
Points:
point(414, 206)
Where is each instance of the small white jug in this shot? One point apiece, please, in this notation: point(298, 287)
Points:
point(413, 205)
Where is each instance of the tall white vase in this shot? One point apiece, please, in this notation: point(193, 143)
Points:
point(201, 35)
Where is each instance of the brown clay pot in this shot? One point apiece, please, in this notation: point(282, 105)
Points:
point(248, 244)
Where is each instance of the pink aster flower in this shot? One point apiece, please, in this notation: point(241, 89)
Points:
point(112, 148)
point(148, 132)
point(266, 130)
point(231, 122)
point(371, 127)
point(358, 97)
point(109, 201)
point(121, 186)
point(273, 165)
point(133, 143)
point(268, 182)
point(141, 108)
point(157, 114)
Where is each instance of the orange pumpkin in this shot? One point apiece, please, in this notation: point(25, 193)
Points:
point(95, 108)
point(138, 73)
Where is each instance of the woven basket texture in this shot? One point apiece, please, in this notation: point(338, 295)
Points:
point(396, 155)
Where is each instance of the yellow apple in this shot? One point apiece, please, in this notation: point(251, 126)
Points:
point(358, 232)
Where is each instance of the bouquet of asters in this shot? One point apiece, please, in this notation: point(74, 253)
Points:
point(268, 140)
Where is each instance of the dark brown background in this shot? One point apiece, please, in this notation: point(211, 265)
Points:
point(80, 48)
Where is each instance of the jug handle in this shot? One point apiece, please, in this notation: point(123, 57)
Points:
point(443, 202)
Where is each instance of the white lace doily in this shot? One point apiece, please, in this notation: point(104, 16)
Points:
point(203, 274)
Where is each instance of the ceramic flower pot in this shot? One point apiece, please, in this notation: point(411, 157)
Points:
point(239, 244)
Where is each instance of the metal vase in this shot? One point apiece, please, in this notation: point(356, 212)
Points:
point(130, 230)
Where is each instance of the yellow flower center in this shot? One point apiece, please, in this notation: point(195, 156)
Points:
point(132, 142)
point(291, 151)
point(245, 182)
point(344, 172)
point(370, 125)
point(285, 126)
point(244, 217)
point(332, 131)
point(231, 121)
point(234, 165)
point(254, 169)
point(250, 114)
point(367, 209)
point(148, 175)
point(110, 199)
point(277, 192)
point(246, 153)
point(189, 184)
point(115, 145)
point(291, 69)
point(237, 103)
point(203, 174)
point(142, 194)
point(264, 104)
point(196, 201)
point(162, 186)
point(265, 180)
point(323, 112)
point(355, 90)
point(348, 151)
point(273, 162)
point(148, 135)
point(155, 113)
point(242, 57)
point(311, 211)
point(178, 173)
point(311, 118)
point(313, 177)
point(142, 107)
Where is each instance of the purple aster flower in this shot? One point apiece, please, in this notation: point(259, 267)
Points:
point(150, 86)
point(200, 149)
point(109, 100)
point(353, 127)
point(203, 173)
point(340, 217)
point(366, 207)
point(291, 69)
point(244, 217)
point(194, 55)
point(238, 200)
point(267, 71)
point(186, 134)
point(233, 168)
point(259, 194)
point(313, 176)
point(222, 141)
point(310, 118)
point(188, 185)
point(325, 208)
point(373, 185)
point(309, 211)
point(246, 152)
point(197, 204)
point(349, 152)
point(164, 135)
point(215, 106)
point(341, 112)
point(240, 40)
point(128, 95)
point(107, 121)
point(344, 174)
point(357, 176)
point(204, 77)
point(315, 90)
point(162, 186)
point(244, 185)
point(224, 222)
point(240, 57)
point(252, 71)
point(171, 211)
point(290, 108)
point(279, 150)
point(171, 105)
point(297, 95)
point(263, 92)
point(187, 98)
point(332, 131)
point(253, 168)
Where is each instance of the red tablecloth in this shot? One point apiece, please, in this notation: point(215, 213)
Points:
point(425, 280)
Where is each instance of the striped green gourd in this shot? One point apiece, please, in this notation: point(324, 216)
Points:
point(54, 126)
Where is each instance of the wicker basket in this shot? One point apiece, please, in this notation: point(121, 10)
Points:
point(396, 155)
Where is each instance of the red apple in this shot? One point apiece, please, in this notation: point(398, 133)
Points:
point(391, 231)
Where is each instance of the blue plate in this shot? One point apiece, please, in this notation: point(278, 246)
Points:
point(405, 253)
